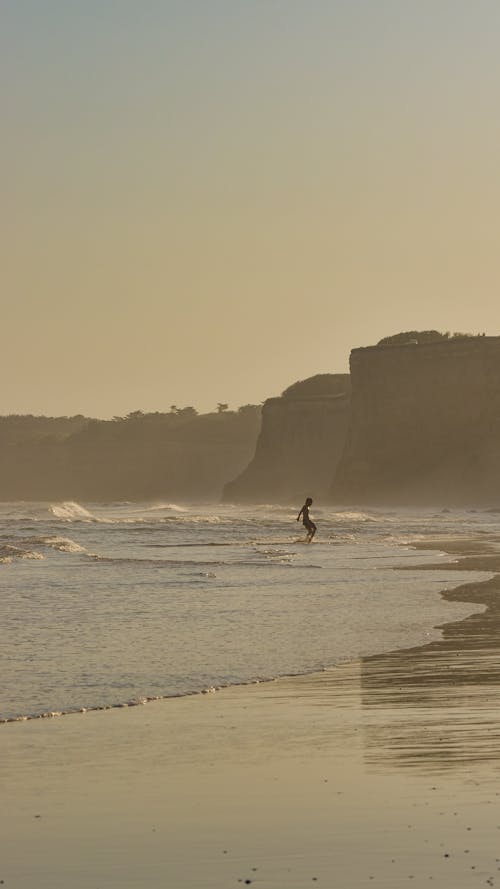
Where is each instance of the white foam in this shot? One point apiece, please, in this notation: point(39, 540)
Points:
point(173, 507)
point(62, 544)
point(9, 552)
point(72, 512)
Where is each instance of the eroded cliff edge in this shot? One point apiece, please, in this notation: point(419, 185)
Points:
point(302, 437)
point(425, 424)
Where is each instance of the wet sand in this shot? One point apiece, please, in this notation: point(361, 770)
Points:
point(382, 773)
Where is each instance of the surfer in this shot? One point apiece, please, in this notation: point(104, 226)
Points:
point(306, 520)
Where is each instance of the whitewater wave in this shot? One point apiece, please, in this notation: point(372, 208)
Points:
point(62, 544)
point(172, 507)
point(8, 553)
point(69, 511)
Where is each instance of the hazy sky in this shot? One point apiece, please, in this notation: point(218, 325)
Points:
point(206, 200)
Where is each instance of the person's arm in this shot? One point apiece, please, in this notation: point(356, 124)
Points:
point(300, 513)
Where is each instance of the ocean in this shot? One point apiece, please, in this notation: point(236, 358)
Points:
point(120, 604)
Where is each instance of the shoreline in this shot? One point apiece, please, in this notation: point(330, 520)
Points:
point(474, 556)
point(370, 773)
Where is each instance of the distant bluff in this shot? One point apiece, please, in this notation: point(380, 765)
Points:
point(416, 422)
point(424, 423)
point(302, 437)
point(175, 455)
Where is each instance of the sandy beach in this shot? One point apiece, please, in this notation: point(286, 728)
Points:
point(380, 773)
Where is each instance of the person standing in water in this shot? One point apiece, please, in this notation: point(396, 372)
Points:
point(306, 520)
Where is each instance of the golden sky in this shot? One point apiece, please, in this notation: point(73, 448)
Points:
point(205, 200)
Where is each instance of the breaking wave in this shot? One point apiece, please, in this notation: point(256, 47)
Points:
point(173, 507)
point(8, 553)
point(72, 512)
point(62, 544)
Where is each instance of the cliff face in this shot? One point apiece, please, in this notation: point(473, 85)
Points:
point(137, 458)
point(301, 439)
point(425, 424)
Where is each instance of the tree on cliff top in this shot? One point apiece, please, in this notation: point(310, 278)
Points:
point(423, 336)
point(320, 384)
point(419, 336)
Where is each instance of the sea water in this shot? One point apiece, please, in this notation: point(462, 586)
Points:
point(108, 605)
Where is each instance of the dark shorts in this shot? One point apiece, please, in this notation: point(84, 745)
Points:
point(309, 525)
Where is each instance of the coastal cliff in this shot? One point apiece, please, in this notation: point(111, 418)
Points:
point(417, 421)
point(425, 424)
point(302, 436)
point(177, 455)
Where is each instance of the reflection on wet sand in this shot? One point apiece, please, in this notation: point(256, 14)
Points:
point(438, 706)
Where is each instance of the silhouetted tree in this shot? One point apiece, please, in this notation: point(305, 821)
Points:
point(419, 336)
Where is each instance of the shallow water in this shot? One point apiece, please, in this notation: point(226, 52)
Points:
point(107, 605)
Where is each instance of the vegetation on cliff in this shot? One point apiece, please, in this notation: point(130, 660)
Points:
point(423, 336)
point(18, 428)
point(141, 456)
point(320, 384)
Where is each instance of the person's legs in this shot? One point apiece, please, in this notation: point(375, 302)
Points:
point(312, 531)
